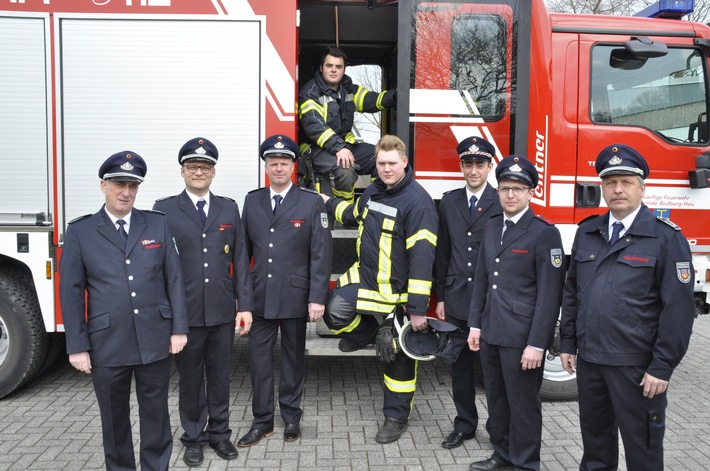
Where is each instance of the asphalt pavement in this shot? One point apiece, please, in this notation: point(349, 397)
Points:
point(53, 423)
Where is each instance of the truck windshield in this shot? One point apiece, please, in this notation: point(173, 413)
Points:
point(664, 94)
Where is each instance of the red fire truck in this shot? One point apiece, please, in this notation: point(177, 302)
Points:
point(81, 79)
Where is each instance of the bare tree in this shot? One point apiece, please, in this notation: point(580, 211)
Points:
point(701, 14)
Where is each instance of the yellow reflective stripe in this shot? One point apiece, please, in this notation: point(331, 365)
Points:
point(373, 307)
point(384, 269)
point(303, 148)
point(419, 287)
point(380, 97)
point(327, 134)
point(311, 105)
point(350, 138)
point(359, 98)
point(340, 209)
point(348, 196)
point(408, 386)
point(379, 296)
point(424, 234)
point(350, 327)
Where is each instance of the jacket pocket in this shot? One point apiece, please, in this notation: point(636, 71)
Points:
point(656, 428)
point(99, 322)
point(165, 312)
point(300, 282)
point(634, 275)
point(449, 280)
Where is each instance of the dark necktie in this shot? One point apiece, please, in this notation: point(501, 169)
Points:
point(508, 226)
point(616, 232)
point(201, 211)
point(472, 205)
point(277, 202)
point(122, 230)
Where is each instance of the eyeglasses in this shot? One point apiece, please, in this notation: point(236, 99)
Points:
point(194, 168)
point(517, 190)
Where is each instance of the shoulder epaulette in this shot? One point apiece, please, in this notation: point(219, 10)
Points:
point(255, 189)
point(154, 211)
point(588, 218)
point(669, 222)
point(79, 218)
point(165, 198)
point(499, 215)
point(225, 198)
point(450, 191)
point(545, 220)
point(308, 190)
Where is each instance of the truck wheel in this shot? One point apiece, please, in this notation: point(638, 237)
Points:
point(557, 384)
point(23, 338)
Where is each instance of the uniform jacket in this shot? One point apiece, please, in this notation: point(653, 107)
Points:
point(631, 304)
point(326, 116)
point(457, 246)
point(395, 247)
point(518, 285)
point(291, 252)
point(214, 258)
point(136, 295)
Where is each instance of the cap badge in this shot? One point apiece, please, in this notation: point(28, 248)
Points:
point(516, 168)
point(473, 148)
point(200, 141)
point(615, 160)
point(200, 150)
point(279, 145)
point(127, 167)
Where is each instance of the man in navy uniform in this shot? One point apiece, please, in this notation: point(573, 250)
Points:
point(463, 214)
point(627, 317)
point(290, 244)
point(209, 235)
point(514, 309)
point(135, 317)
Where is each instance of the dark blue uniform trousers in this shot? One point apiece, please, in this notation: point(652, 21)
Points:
point(514, 407)
point(112, 385)
point(204, 408)
point(262, 340)
point(611, 400)
point(463, 383)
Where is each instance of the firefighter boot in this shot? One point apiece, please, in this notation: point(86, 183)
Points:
point(390, 431)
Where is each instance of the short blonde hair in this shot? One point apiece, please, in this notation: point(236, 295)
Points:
point(389, 142)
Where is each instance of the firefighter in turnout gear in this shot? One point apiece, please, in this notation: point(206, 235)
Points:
point(327, 106)
point(397, 224)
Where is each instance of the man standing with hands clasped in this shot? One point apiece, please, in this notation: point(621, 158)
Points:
point(627, 317)
point(514, 310)
point(463, 214)
point(213, 253)
point(290, 244)
point(125, 259)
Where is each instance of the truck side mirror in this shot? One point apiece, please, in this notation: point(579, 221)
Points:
point(636, 52)
point(587, 195)
point(700, 177)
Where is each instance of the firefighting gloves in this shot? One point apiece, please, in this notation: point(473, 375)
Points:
point(386, 342)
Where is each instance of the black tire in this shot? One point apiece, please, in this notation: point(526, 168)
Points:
point(56, 353)
point(23, 338)
point(557, 384)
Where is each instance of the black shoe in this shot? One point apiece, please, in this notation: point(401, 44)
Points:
point(292, 432)
point(225, 450)
point(254, 436)
point(456, 439)
point(193, 455)
point(347, 346)
point(390, 431)
point(491, 464)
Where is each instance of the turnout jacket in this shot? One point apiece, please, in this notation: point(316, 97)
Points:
point(326, 116)
point(136, 295)
point(291, 252)
point(518, 285)
point(214, 258)
point(457, 246)
point(396, 245)
point(630, 304)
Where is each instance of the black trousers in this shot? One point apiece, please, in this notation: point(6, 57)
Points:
point(112, 385)
point(262, 340)
point(205, 373)
point(514, 406)
point(344, 180)
point(611, 400)
point(463, 383)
